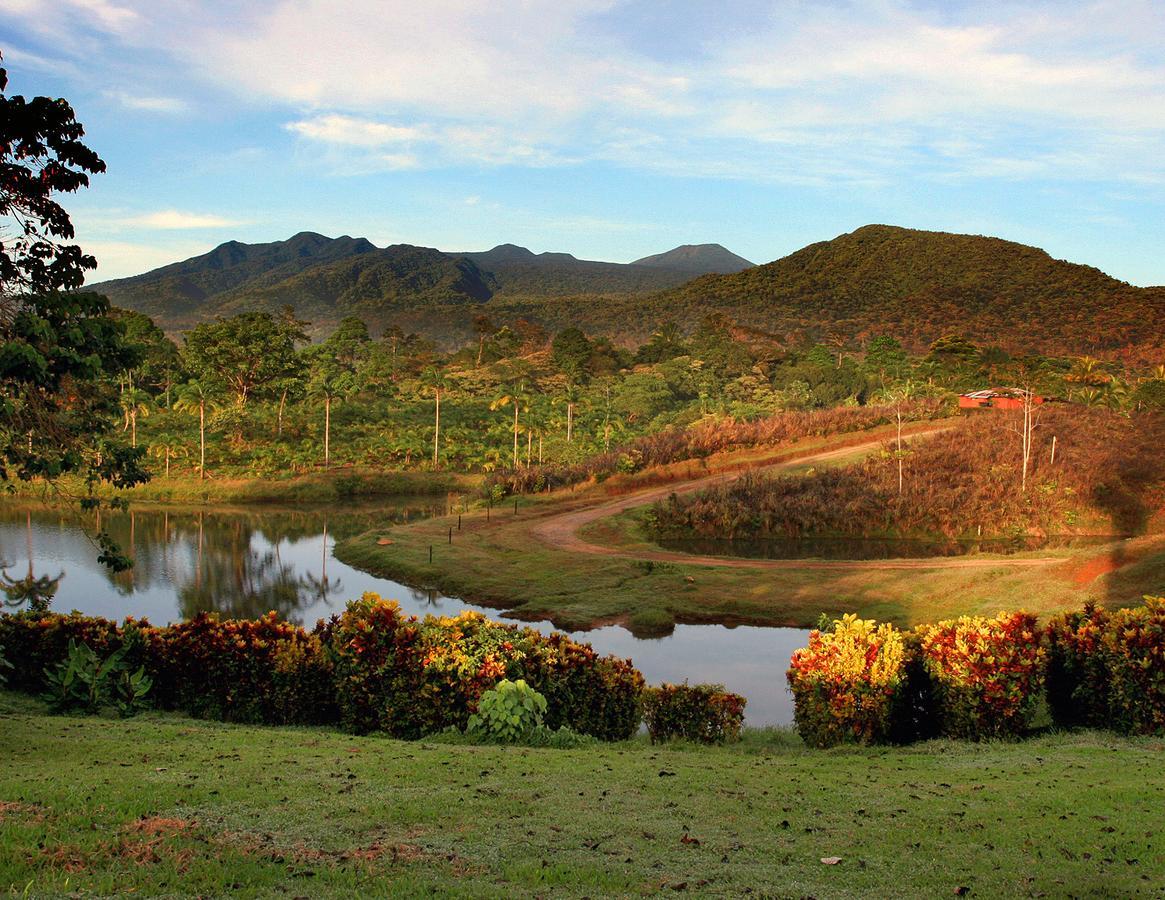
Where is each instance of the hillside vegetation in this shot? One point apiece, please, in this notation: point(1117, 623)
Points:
point(1108, 473)
point(916, 286)
point(920, 285)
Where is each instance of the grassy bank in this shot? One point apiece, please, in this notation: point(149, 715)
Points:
point(335, 486)
point(164, 804)
point(499, 561)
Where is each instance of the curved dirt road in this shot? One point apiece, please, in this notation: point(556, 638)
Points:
point(561, 531)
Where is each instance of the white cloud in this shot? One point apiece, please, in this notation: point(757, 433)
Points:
point(120, 259)
point(792, 91)
point(340, 129)
point(169, 105)
point(175, 220)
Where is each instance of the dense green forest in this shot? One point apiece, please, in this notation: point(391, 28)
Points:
point(250, 395)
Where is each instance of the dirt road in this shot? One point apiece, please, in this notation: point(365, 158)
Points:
point(561, 531)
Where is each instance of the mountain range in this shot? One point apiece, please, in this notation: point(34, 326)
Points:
point(879, 279)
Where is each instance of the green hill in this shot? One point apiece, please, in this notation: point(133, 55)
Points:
point(880, 279)
point(920, 285)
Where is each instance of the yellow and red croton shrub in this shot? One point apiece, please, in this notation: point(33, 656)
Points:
point(848, 682)
point(987, 673)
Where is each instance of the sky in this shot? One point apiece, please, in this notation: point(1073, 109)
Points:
point(607, 129)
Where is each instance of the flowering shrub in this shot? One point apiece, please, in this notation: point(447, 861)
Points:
point(34, 642)
point(848, 683)
point(1134, 653)
point(591, 694)
point(1078, 676)
point(241, 670)
point(987, 673)
point(703, 712)
point(411, 677)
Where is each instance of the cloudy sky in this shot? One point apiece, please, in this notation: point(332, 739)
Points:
point(607, 129)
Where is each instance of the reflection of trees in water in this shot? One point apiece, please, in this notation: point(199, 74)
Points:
point(32, 591)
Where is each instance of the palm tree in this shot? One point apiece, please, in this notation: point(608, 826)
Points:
point(436, 381)
point(168, 450)
point(134, 403)
point(197, 396)
point(519, 398)
point(570, 397)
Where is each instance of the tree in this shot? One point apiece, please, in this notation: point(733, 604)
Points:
point(436, 381)
point(899, 398)
point(248, 353)
point(60, 353)
point(482, 327)
point(41, 154)
point(571, 351)
point(197, 396)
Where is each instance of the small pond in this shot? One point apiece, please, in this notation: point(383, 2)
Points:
point(244, 562)
point(858, 548)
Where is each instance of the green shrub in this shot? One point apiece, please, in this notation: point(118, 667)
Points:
point(702, 712)
point(1134, 653)
point(1078, 671)
point(508, 713)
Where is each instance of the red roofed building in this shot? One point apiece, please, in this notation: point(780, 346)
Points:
point(996, 398)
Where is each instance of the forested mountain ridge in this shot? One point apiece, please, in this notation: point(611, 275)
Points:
point(180, 289)
point(914, 285)
point(324, 279)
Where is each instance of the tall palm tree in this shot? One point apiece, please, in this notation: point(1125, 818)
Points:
point(134, 403)
point(196, 397)
point(519, 398)
point(436, 381)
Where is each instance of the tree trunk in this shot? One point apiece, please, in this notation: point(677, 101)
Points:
point(569, 422)
point(529, 446)
point(201, 450)
point(899, 415)
point(327, 431)
point(279, 417)
point(480, 349)
point(515, 435)
point(167, 460)
point(437, 429)
point(133, 420)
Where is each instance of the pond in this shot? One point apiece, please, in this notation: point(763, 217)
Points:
point(860, 548)
point(244, 562)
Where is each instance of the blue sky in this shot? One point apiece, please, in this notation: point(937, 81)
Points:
point(607, 129)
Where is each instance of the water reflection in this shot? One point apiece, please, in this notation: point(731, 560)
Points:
point(243, 563)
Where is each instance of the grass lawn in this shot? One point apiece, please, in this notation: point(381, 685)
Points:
point(337, 485)
point(163, 804)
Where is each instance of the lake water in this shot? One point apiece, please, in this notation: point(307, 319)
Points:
point(244, 562)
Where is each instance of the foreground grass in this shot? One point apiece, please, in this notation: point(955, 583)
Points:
point(499, 562)
point(169, 805)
